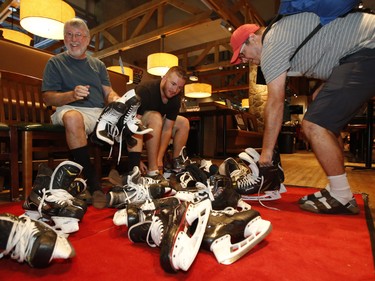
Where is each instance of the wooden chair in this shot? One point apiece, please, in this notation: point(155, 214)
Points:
point(29, 121)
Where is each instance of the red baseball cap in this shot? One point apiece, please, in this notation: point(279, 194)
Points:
point(239, 37)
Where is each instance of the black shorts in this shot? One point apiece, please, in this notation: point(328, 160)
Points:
point(350, 85)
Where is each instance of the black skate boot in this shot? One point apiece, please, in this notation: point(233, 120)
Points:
point(244, 181)
point(137, 190)
point(182, 238)
point(231, 234)
point(56, 205)
point(179, 163)
point(187, 179)
point(32, 241)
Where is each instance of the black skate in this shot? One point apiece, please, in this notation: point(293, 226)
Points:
point(137, 190)
point(231, 234)
point(136, 213)
point(55, 205)
point(32, 241)
point(244, 181)
point(273, 176)
point(106, 127)
point(179, 163)
point(187, 180)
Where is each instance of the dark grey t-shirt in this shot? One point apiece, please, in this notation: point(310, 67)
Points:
point(63, 73)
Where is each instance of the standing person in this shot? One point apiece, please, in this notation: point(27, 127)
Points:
point(342, 55)
point(160, 104)
point(78, 85)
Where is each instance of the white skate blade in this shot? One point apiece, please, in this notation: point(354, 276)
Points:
point(128, 95)
point(186, 248)
point(252, 165)
point(63, 249)
point(65, 225)
point(120, 218)
point(227, 253)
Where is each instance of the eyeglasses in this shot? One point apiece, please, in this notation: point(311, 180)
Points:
point(241, 55)
point(78, 36)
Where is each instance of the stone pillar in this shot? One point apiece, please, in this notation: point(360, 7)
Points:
point(257, 97)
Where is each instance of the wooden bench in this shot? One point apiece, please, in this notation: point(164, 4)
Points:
point(26, 119)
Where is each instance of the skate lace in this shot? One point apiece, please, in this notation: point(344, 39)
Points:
point(185, 178)
point(228, 210)
point(248, 180)
point(136, 193)
point(119, 135)
point(21, 239)
point(237, 174)
point(155, 232)
point(59, 196)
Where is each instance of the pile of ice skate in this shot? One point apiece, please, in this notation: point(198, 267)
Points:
point(202, 207)
point(52, 211)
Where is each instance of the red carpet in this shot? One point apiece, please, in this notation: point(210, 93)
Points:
point(301, 246)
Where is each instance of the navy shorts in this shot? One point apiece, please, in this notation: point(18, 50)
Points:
point(350, 85)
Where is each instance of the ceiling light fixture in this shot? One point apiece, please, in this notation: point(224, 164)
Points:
point(123, 70)
point(45, 18)
point(198, 90)
point(159, 63)
point(15, 36)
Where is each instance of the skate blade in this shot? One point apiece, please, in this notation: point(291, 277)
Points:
point(186, 248)
point(65, 225)
point(255, 232)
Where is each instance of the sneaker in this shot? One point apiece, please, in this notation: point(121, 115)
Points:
point(99, 199)
point(329, 205)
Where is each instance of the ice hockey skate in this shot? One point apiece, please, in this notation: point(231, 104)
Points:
point(187, 179)
point(136, 213)
point(244, 181)
point(50, 201)
point(137, 190)
point(106, 127)
point(231, 234)
point(27, 240)
point(181, 241)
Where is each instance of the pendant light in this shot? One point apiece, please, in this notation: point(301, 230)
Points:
point(159, 63)
point(198, 90)
point(45, 18)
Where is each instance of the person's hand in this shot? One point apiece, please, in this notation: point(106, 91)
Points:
point(143, 168)
point(265, 159)
point(81, 92)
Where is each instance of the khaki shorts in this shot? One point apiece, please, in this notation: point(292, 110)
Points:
point(90, 116)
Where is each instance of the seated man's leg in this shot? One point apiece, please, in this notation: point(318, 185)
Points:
point(77, 126)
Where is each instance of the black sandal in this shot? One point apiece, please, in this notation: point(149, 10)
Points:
point(329, 205)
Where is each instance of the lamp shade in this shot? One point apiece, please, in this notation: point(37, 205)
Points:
point(127, 71)
point(245, 103)
point(198, 90)
point(16, 36)
point(45, 18)
point(159, 63)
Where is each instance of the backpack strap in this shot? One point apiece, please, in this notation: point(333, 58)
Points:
point(312, 33)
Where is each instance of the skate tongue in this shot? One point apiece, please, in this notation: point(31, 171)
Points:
point(63, 249)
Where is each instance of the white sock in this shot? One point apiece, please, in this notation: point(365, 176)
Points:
point(153, 173)
point(340, 188)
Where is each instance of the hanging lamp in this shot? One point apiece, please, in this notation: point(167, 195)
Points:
point(123, 70)
point(45, 18)
point(159, 63)
point(16, 36)
point(198, 90)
